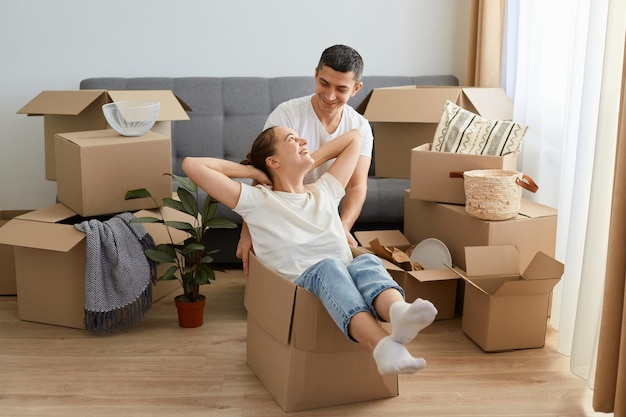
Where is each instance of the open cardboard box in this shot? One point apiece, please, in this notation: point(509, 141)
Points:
point(504, 308)
point(8, 285)
point(78, 110)
point(435, 285)
point(430, 172)
point(533, 230)
point(406, 117)
point(96, 168)
point(50, 262)
point(299, 353)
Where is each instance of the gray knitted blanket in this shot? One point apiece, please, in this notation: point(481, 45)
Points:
point(118, 276)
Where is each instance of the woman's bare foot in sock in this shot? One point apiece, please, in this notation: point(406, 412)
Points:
point(407, 320)
point(392, 358)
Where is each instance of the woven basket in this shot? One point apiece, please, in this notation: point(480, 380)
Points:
point(495, 194)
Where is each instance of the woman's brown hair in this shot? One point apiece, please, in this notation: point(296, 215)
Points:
point(262, 147)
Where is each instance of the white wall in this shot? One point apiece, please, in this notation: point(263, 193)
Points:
point(52, 45)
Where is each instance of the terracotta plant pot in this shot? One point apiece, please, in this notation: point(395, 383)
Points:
point(190, 314)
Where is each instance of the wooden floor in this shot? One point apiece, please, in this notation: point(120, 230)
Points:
point(158, 369)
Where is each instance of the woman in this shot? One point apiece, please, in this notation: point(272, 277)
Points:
point(296, 231)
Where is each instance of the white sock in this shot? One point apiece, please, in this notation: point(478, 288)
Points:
point(392, 358)
point(407, 320)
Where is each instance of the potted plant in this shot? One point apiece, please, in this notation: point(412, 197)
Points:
point(191, 260)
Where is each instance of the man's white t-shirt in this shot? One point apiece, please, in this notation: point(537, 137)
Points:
point(298, 114)
point(291, 232)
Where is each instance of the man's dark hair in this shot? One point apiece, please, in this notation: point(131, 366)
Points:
point(342, 58)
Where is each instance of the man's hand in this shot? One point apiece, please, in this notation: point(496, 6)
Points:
point(244, 247)
point(351, 240)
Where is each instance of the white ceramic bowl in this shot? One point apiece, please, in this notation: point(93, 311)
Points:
point(131, 118)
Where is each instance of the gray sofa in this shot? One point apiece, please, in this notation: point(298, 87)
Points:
point(229, 112)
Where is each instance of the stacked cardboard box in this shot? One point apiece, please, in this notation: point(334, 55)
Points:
point(532, 231)
point(406, 117)
point(93, 167)
point(81, 110)
point(8, 284)
point(434, 208)
point(50, 262)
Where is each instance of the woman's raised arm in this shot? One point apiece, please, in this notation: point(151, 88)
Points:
point(215, 175)
point(346, 149)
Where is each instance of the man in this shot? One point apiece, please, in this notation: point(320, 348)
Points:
point(322, 117)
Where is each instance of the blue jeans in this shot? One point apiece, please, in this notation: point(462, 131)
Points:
point(347, 290)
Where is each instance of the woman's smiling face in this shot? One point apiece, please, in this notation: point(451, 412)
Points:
point(290, 147)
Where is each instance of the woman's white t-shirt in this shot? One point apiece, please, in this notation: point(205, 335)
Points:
point(291, 232)
point(299, 115)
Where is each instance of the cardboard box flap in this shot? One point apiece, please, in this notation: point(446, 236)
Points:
point(532, 209)
point(490, 103)
point(69, 103)
point(270, 300)
point(6, 215)
point(522, 286)
point(432, 275)
point(543, 267)
point(38, 235)
point(407, 104)
point(50, 214)
point(389, 238)
point(172, 107)
point(498, 260)
point(106, 137)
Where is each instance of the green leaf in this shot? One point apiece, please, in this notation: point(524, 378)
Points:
point(178, 225)
point(221, 223)
point(168, 248)
point(138, 193)
point(204, 275)
point(209, 208)
point(189, 202)
point(175, 204)
point(169, 274)
point(208, 270)
point(159, 256)
point(186, 183)
point(194, 246)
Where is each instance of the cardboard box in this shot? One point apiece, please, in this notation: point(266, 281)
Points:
point(435, 285)
point(406, 117)
point(504, 309)
point(50, 263)
point(430, 172)
point(299, 353)
point(75, 111)
point(533, 230)
point(96, 168)
point(8, 285)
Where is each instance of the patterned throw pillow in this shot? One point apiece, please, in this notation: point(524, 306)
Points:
point(461, 131)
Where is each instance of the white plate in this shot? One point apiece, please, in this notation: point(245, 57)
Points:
point(431, 253)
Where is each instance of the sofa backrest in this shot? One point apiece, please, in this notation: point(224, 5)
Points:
point(229, 112)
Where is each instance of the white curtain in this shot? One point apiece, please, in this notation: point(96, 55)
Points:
point(562, 68)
